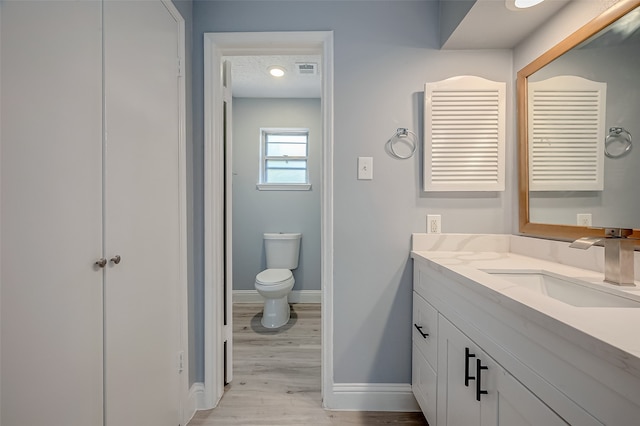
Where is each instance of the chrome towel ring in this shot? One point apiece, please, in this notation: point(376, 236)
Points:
point(406, 136)
point(617, 143)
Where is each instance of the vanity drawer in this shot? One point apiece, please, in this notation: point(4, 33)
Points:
point(425, 328)
point(423, 384)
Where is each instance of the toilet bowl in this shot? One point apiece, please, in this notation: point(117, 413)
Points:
point(274, 283)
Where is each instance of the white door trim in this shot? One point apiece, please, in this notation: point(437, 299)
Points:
point(216, 45)
point(183, 357)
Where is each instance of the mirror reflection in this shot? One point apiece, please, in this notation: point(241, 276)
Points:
point(583, 131)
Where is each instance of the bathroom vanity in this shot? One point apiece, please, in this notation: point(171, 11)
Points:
point(514, 330)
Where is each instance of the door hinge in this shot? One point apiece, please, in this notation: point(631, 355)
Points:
point(180, 67)
point(180, 361)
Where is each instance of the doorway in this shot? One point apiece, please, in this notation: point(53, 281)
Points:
point(218, 247)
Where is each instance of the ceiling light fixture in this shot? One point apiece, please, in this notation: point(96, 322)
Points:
point(523, 4)
point(276, 71)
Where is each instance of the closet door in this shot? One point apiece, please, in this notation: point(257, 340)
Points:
point(142, 322)
point(51, 218)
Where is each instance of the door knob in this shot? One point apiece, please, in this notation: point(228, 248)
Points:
point(101, 263)
point(115, 259)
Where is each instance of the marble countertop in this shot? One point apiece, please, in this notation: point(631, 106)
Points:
point(610, 333)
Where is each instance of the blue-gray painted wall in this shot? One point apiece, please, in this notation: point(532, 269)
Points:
point(384, 53)
point(256, 212)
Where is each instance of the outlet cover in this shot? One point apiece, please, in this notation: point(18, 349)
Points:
point(583, 219)
point(433, 224)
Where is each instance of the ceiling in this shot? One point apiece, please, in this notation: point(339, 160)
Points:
point(250, 77)
point(490, 24)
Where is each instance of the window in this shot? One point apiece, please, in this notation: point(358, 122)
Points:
point(284, 159)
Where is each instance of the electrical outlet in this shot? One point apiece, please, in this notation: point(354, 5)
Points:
point(584, 219)
point(433, 224)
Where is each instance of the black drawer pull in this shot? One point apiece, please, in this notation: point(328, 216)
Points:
point(419, 328)
point(479, 368)
point(467, 377)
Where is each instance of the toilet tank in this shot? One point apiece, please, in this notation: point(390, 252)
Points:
point(282, 250)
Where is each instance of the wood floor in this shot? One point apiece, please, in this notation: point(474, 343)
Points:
point(277, 377)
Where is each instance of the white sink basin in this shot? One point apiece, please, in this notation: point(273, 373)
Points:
point(568, 290)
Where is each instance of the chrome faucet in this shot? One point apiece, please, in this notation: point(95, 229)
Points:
point(618, 254)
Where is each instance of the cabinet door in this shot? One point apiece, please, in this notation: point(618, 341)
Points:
point(517, 406)
point(491, 396)
point(142, 214)
point(51, 220)
point(457, 357)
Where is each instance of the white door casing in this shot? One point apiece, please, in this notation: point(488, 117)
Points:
point(228, 220)
point(229, 44)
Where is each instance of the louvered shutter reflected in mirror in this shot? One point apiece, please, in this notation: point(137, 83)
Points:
point(566, 134)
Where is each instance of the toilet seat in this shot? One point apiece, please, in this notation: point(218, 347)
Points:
point(273, 276)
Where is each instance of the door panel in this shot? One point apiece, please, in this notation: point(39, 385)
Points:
point(51, 219)
point(142, 322)
point(457, 403)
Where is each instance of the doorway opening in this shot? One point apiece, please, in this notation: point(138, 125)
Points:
point(218, 191)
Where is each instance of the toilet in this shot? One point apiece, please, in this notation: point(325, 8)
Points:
point(274, 283)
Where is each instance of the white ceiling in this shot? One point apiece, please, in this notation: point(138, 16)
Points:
point(491, 25)
point(250, 77)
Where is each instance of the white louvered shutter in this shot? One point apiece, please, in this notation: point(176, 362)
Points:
point(566, 134)
point(464, 135)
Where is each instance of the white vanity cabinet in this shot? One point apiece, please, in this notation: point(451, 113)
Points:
point(492, 366)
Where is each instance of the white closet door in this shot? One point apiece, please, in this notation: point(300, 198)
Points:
point(51, 219)
point(142, 322)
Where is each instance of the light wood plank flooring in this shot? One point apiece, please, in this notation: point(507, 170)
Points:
point(277, 377)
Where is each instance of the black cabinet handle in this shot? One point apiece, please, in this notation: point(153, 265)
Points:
point(467, 377)
point(419, 328)
point(479, 390)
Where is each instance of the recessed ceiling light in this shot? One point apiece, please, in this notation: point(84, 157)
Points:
point(523, 4)
point(276, 71)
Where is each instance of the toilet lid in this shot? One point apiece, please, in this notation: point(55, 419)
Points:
point(273, 276)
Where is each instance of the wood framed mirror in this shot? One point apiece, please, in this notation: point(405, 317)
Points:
point(550, 226)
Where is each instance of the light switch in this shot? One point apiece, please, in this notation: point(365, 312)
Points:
point(365, 168)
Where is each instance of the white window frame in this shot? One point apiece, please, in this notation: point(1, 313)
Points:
point(267, 186)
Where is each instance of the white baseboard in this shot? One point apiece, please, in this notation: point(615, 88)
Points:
point(296, 296)
point(371, 397)
point(195, 401)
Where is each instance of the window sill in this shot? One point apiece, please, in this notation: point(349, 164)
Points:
point(283, 186)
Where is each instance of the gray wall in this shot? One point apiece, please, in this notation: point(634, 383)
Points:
point(384, 53)
point(256, 212)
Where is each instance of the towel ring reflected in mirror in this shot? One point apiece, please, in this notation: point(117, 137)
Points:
point(617, 144)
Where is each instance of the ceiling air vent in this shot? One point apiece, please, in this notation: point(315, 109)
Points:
point(307, 68)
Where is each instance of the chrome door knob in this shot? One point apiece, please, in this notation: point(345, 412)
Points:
point(115, 259)
point(101, 263)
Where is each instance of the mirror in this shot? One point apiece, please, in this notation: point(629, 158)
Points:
point(604, 53)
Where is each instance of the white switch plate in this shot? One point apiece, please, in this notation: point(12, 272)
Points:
point(434, 224)
point(365, 168)
point(583, 219)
